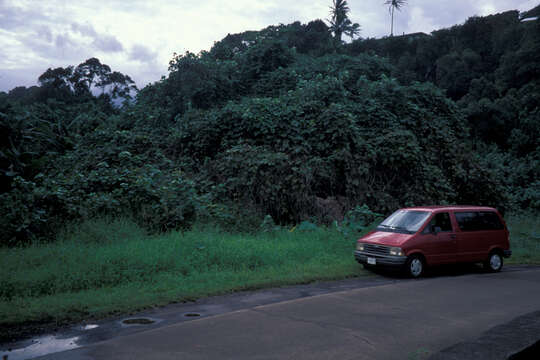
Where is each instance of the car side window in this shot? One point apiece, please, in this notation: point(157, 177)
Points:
point(489, 221)
point(478, 220)
point(441, 221)
point(467, 221)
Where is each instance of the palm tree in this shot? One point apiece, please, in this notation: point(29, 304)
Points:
point(394, 4)
point(340, 22)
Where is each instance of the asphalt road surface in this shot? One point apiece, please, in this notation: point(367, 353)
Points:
point(389, 319)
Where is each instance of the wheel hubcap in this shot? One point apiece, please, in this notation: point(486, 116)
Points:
point(416, 267)
point(495, 262)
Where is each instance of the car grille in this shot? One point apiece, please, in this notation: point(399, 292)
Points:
point(377, 249)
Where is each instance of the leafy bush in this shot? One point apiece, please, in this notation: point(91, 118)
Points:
point(268, 225)
point(357, 220)
point(25, 214)
point(156, 200)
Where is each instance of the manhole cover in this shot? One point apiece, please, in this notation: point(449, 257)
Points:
point(192, 314)
point(138, 321)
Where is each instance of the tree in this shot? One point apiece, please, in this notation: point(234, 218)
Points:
point(83, 80)
point(394, 4)
point(340, 22)
point(455, 71)
point(121, 85)
point(91, 73)
point(57, 83)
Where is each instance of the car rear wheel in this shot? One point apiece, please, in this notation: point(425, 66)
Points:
point(494, 263)
point(415, 266)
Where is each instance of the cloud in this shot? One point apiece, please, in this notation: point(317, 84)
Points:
point(45, 33)
point(53, 50)
point(439, 14)
point(64, 41)
point(102, 42)
point(107, 43)
point(84, 29)
point(13, 78)
point(418, 21)
point(487, 8)
point(15, 17)
point(142, 53)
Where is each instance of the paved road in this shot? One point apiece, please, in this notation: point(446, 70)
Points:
point(400, 320)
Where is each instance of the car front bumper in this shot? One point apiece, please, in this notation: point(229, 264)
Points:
point(380, 260)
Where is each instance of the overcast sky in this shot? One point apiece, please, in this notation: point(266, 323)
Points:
point(138, 37)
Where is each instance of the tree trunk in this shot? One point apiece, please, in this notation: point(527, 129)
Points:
point(392, 25)
point(338, 34)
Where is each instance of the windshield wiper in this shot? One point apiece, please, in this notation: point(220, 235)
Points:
point(395, 228)
point(400, 228)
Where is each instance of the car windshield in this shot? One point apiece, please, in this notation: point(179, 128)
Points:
point(404, 220)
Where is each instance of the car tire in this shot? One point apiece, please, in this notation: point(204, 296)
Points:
point(494, 262)
point(415, 266)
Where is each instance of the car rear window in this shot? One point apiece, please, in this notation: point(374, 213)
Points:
point(478, 220)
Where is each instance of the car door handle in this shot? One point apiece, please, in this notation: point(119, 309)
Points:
point(453, 236)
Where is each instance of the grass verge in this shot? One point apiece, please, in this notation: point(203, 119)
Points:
point(111, 267)
point(524, 239)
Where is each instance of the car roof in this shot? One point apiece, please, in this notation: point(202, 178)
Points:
point(433, 208)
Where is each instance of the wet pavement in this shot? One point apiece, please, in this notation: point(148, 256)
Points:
point(87, 334)
point(266, 312)
point(518, 339)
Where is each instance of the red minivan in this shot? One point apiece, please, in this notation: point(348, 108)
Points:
point(413, 238)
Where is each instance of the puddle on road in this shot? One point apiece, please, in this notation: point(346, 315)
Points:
point(41, 346)
point(89, 327)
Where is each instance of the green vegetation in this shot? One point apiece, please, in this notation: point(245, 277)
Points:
point(524, 239)
point(286, 122)
point(106, 267)
point(287, 126)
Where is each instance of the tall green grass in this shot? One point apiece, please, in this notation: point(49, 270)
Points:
point(104, 267)
point(524, 238)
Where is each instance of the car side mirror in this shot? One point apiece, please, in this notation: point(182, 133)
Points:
point(435, 229)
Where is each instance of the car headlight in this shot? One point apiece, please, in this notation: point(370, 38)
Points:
point(360, 246)
point(396, 251)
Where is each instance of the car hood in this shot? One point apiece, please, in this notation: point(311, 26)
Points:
point(386, 238)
